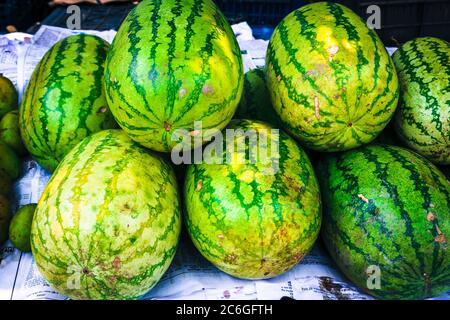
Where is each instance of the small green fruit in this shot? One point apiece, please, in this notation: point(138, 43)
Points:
point(8, 96)
point(5, 183)
point(20, 227)
point(10, 132)
point(5, 217)
point(9, 162)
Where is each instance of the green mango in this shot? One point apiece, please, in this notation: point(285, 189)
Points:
point(10, 132)
point(9, 162)
point(20, 227)
point(8, 96)
point(5, 183)
point(5, 217)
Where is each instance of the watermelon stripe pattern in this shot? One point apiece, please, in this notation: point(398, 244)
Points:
point(173, 63)
point(115, 241)
point(388, 207)
point(251, 220)
point(423, 117)
point(53, 119)
point(331, 80)
point(255, 102)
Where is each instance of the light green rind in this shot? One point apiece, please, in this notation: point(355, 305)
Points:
point(423, 116)
point(64, 101)
point(108, 222)
point(253, 220)
point(172, 63)
point(331, 79)
point(386, 207)
point(255, 102)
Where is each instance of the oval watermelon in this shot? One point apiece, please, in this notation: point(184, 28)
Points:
point(108, 222)
point(387, 216)
point(422, 119)
point(173, 63)
point(64, 101)
point(253, 219)
point(330, 78)
point(255, 103)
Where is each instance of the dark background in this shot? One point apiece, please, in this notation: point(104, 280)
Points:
point(401, 19)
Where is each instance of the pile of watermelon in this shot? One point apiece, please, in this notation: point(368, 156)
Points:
point(114, 124)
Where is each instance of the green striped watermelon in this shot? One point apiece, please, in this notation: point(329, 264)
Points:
point(387, 207)
point(64, 101)
point(255, 102)
point(251, 219)
point(108, 222)
point(423, 117)
point(172, 63)
point(330, 78)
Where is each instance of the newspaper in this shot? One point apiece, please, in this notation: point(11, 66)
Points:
point(190, 276)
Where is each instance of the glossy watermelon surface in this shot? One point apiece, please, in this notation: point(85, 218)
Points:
point(65, 101)
point(173, 63)
point(423, 117)
point(255, 102)
point(387, 215)
point(330, 77)
point(253, 217)
point(108, 222)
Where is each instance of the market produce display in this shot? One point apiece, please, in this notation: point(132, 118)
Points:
point(173, 63)
point(423, 116)
point(20, 227)
point(10, 143)
point(65, 101)
point(248, 218)
point(8, 96)
point(107, 225)
point(387, 207)
point(108, 217)
point(331, 79)
point(255, 102)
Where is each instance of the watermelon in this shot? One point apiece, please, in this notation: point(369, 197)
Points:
point(108, 222)
point(173, 63)
point(388, 209)
point(65, 101)
point(255, 103)
point(253, 219)
point(331, 80)
point(422, 120)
